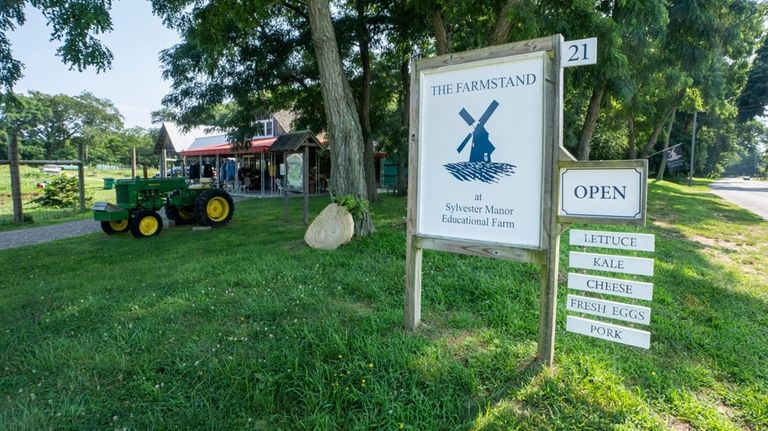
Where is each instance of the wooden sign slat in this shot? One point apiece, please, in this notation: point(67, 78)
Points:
point(611, 263)
point(610, 286)
point(610, 309)
point(608, 332)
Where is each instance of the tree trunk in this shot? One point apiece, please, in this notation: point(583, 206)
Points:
point(632, 147)
point(369, 156)
point(664, 154)
point(503, 24)
point(590, 121)
point(657, 130)
point(347, 175)
point(442, 42)
point(13, 158)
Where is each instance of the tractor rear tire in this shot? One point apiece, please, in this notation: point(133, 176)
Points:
point(181, 215)
point(110, 227)
point(214, 208)
point(146, 223)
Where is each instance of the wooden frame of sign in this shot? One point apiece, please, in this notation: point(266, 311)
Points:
point(544, 249)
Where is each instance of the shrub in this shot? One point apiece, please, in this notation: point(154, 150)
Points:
point(61, 192)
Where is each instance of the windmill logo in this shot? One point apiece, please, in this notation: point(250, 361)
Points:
point(480, 167)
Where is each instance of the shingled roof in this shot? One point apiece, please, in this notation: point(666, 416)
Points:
point(293, 141)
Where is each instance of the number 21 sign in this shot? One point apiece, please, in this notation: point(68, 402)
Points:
point(579, 52)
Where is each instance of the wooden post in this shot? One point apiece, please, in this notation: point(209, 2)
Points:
point(306, 185)
point(218, 170)
point(261, 172)
point(413, 254)
point(163, 163)
point(285, 186)
point(549, 271)
point(13, 161)
point(133, 162)
point(81, 174)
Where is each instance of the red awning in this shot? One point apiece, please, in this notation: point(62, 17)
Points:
point(225, 148)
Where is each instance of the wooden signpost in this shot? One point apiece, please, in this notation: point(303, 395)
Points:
point(485, 169)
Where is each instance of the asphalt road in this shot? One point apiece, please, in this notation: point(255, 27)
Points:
point(751, 195)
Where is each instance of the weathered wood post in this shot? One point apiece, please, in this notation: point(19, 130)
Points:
point(81, 174)
point(549, 271)
point(133, 162)
point(306, 185)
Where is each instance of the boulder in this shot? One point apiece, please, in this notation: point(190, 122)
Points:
point(332, 228)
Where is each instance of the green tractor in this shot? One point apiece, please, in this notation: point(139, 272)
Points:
point(139, 200)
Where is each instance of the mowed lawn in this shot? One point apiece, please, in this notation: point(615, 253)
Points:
point(245, 327)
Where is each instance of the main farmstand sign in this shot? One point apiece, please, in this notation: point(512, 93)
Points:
point(488, 175)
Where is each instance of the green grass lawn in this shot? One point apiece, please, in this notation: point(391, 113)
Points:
point(245, 327)
point(40, 216)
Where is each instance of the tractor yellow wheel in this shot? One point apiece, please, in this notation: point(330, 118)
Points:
point(214, 207)
point(110, 227)
point(217, 209)
point(146, 223)
point(119, 226)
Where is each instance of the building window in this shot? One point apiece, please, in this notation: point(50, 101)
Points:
point(264, 129)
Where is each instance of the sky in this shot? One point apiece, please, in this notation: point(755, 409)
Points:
point(134, 83)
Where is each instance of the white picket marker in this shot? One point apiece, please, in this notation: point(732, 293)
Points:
point(609, 332)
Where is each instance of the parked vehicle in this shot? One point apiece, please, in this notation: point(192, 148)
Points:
point(51, 169)
point(139, 200)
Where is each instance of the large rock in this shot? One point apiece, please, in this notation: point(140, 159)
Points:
point(332, 228)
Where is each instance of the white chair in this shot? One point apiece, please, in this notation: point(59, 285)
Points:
point(279, 185)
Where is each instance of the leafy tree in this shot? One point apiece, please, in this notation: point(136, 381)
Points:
point(754, 96)
point(18, 115)
point(116, 147)
point(72, 121)
point(74, 24)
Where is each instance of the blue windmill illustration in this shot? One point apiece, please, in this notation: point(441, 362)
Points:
point(481, 144)
point(480, 167)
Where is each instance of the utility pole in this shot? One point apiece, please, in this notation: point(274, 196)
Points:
point(693, 147)
point(754, 171)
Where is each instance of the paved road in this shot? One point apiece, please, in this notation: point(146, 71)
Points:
point(751, 195)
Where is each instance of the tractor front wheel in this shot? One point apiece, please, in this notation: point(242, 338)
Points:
point(146, 223)
point(110, 227)
point(214, 208)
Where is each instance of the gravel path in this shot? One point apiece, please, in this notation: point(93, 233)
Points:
point(37, 235)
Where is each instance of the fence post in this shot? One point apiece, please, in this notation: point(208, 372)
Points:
point(81, 174)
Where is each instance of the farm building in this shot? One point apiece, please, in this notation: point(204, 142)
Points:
point(265, 168)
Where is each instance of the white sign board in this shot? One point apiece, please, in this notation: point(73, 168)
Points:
point(295, 176)
point(607, 331)
point(481, 152)
point(611, 263)
point(615, 240)
point(609, 309)
point(610, 286)
point(608, 193)
point(579, 52)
